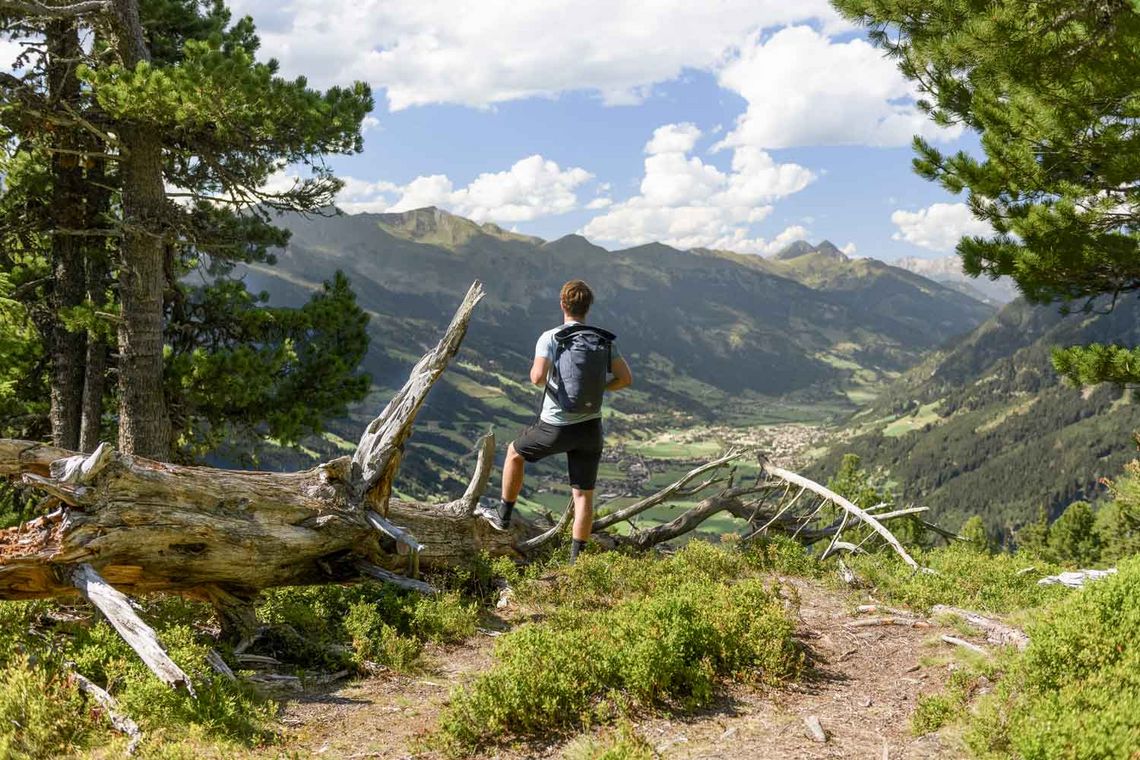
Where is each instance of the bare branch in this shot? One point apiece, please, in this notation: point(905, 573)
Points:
point(964, 644)
point(466, 504)
point(393, 531)
point(683, 523)
point(382, 575)
point(34, 9)
point(664, 494)
point(826, 493)
point(377, 456)
point(120, 722)
point(539, 540)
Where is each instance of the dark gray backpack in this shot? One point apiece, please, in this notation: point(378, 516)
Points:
point(581, 368)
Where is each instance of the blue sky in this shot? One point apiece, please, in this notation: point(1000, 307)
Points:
point(739, 125)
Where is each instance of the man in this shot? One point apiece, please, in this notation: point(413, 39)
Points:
point(576, 364)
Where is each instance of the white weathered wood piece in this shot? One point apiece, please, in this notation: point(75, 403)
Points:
point(119, 720)
point(1075, 578)
point(140, 636)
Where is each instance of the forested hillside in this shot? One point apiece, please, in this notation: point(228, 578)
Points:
point(988, 427)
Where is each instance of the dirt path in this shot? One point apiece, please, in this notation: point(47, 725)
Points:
point(863, 689)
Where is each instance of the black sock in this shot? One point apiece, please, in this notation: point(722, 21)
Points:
point(576, 546)
point(505, 510)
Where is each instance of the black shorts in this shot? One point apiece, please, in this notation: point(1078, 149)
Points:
point(581, 442)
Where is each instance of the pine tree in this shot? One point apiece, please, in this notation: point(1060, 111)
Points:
point(171, 95)
point(976, 535)
point(1051, 88)
point(1073, 537)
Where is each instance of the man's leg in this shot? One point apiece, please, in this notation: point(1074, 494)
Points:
point(583, 520)
point(514, 468)
point(582, 463)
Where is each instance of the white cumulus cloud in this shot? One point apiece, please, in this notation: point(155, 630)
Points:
point(938, 227)
point(478, 54)
point(688, 203)
point(803, 88)
point(533, 187)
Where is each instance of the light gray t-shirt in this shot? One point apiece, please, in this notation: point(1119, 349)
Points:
point(552, 414)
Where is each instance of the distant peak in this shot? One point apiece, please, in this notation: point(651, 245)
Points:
point(419, 221)
point(794, 250)
point(830, 250)
point(438, 227)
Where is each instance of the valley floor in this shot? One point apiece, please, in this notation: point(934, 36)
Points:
point(863, 688)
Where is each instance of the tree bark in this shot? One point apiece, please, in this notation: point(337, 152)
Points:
point(144, 424)
point(98, 278)
point(68, 348)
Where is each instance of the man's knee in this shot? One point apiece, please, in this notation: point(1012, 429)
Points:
point(514, 455)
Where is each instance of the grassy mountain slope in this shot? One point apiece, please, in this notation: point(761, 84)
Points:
point(988, 428)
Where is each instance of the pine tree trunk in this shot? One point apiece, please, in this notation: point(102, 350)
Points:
point(144, 425)
point(94, 383)
point(68, 348)
point(98, 278)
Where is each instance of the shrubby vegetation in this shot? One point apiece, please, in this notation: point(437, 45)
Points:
point(625, 633)
point(1075, 692)
point(963, 577)
point(43, 713)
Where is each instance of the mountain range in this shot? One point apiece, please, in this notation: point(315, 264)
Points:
point(809, 322)
point(710, 335)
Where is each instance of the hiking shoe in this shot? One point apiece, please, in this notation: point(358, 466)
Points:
point(491, 515)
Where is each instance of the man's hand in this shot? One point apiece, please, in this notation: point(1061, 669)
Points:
point(622, 378)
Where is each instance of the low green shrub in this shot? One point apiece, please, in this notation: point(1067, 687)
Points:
point(933, 711)
point(387, 626)
point(1075, 692)
point(665, 645)
point(444, 618)
point(602, 580)
point(962, 577)
point(620, 744)
point(375, 640)
point(783, 554)
point(41, 714)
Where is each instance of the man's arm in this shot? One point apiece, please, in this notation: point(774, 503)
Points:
point(622, 378)
point(538, 370)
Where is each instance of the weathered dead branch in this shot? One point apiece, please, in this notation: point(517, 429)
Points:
point(119, 720)
point(996, 631)
point(860, 514)
point(130, 626)
point(1075, 578)
point(968, 645)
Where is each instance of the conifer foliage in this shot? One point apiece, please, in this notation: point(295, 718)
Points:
point(144, 146)
point(1051, 88)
